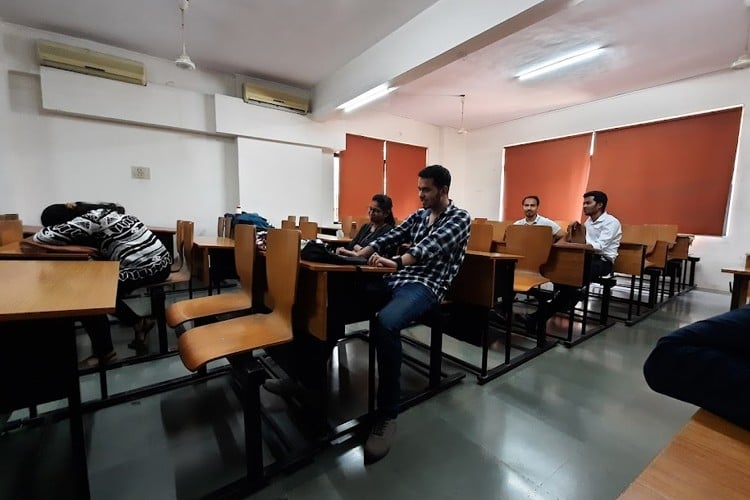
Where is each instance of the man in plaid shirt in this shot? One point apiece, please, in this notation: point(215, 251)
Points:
point(438, 234)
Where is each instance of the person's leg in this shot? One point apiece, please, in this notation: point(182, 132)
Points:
point(102, 349)
point(408, 302)
point(707, 364)
point(141, 326)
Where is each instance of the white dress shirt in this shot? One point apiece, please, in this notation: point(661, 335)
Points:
point(604, 234)
point(539, 221)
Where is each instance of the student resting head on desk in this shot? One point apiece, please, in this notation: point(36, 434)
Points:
point(381, 221)
point(143, 260)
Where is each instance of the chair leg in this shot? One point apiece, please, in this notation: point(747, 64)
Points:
point(248, 376)
point(436, 350)
point(371, 369)
point(158, 299)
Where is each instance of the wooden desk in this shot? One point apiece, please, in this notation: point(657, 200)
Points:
point(13, 251)
point(204, 247)
point(38, 302)
point(739, 287)
point(165, 234)
point(708, 458)
point(334, 240)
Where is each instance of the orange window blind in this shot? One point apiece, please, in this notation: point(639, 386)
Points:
point(403, 163)
point(671, 172)
point(555, 170)
point(360, 174)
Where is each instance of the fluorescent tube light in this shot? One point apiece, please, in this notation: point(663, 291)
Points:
point(367, 97)
point(560, 62)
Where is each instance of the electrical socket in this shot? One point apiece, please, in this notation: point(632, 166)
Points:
point(140, 173)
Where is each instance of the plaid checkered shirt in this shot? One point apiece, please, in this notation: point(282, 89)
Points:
point(439, 249)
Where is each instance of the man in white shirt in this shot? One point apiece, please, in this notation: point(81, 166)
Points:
point(603, 233)
point(530, 205)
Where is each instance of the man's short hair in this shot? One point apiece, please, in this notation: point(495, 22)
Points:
point(599, 197)
point(533, 197)
point(440, 175)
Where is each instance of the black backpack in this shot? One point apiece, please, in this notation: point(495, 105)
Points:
point(318, 252)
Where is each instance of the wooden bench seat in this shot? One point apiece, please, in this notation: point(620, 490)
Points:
point(708, 458)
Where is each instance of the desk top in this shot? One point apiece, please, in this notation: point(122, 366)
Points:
point(327, 238)
point(213, 242)
point(708, 458)
point(34, 289)
point(339, 268)
point(494, 255)
point(14, 251)
point(744, 272)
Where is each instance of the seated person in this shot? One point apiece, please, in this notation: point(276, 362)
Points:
point(707, 364)
point(530, 205)
point(603, 233)
point(381, 221)
point(143, 260)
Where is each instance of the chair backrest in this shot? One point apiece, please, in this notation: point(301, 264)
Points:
point(9, 217)
point(479, 220)
point(533, 242)
point(309, 230)
point(347, 226)
point(681, 248)
point(639, 233)
point(244, 255)
point(358, 223)
point(282, 269)
point(188, 232)
point(10, 231)
point(480, 237)
point(498, 229)
point(179, 253)
point(224, 229)
point(292, 219)
point(665, 232)
point(304, 218)
point(630, 259)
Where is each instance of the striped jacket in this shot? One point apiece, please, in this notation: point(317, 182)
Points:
point(117, 237)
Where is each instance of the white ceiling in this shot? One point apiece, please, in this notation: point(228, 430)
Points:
point(303, 42)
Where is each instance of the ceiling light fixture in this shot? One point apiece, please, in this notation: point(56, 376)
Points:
point(560, 62)
point(184, 60)
point(367, 97)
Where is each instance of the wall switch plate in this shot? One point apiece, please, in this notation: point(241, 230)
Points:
point(140, 172)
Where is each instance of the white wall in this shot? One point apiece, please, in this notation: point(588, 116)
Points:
point(76, 137)
point(721, 90)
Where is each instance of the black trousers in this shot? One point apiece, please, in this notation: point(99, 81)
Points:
point(566, 297)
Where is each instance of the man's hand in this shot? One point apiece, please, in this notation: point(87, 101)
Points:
point(344, 251)
point(380, 261)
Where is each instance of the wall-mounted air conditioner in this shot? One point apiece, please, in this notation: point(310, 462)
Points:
point(59, 55)
point(258, 94)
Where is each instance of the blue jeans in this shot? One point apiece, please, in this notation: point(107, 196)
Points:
point(707, 364)
point(407, 303)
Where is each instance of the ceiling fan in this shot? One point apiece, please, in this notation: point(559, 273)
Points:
point(184, 61)
point(461, 130)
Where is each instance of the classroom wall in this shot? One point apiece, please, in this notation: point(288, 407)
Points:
point(720, 90)
point(67, 136)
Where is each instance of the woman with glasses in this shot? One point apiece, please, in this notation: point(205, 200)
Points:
point(381, 221)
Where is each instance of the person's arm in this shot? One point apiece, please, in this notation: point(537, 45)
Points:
point(391, 239)
point(557, 232)
point(451, 232)
point(75, 231)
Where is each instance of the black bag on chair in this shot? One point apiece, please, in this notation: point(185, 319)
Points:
point(318, 252)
